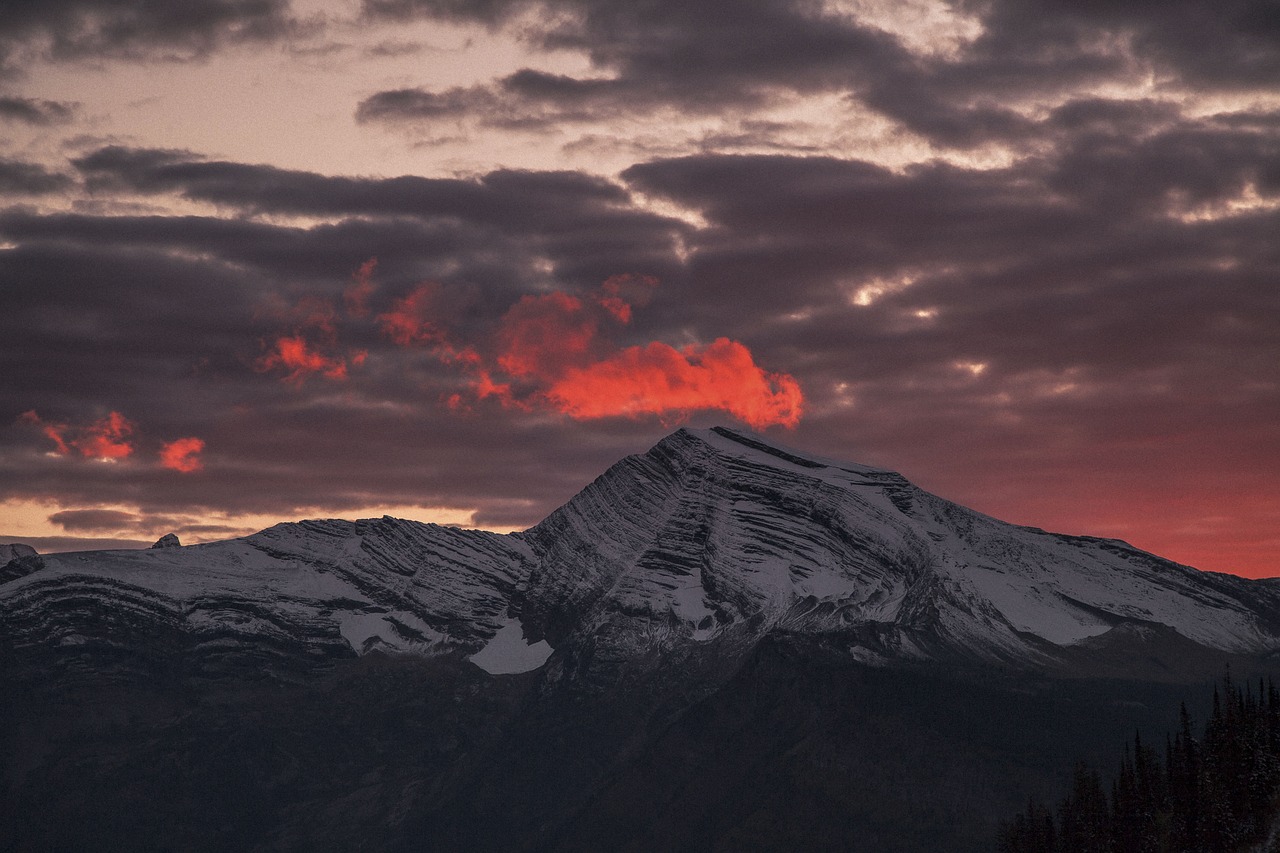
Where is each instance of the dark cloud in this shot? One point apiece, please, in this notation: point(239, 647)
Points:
point(94, 520)
point(1229, 45)
point(584, 227)
point(137, 29)
point(21, 178)
point(166, 319)
point(481, 11)
point(35, 111)
point(706, 58)
point(701, 58)
point(106, 522)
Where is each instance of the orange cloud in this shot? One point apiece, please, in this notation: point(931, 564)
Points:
point(544, 335)
point(106, 438)
point(551, 351)
point(295, 355)
point(182, 454)
point(412, 318)
point(312, 347)
point(52, 431)
point(659, 380)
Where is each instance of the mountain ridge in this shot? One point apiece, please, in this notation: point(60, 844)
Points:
point(718, 644)
point(711, 534)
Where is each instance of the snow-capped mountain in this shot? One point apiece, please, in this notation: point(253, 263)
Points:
point(701, 546)
point(720, 644)
point(715, 533)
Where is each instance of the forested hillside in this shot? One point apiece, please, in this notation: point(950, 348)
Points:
point(1212, 791)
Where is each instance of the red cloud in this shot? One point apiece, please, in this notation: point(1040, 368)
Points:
point(110, 438)
point(295, 355)
point(412, 318)
point(657, 379)
point(182, 454)
point(52, 431)
point(542, 336)
point(312, 348)
point(106, 438)
point(611, 294)
point(549, 351)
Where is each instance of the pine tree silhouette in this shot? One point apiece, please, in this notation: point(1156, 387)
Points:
point(1218, 793)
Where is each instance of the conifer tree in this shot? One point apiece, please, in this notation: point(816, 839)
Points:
point(1214, 794)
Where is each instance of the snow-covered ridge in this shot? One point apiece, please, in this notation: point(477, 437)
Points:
point(717, 533)
point(308, 592)
point(710, 540)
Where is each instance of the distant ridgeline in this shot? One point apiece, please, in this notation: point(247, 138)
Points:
point(1214, 794)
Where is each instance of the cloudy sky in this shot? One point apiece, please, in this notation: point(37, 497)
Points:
point(449, 259)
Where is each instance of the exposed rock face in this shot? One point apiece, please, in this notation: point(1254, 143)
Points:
point(169, 540)
point(14, 551)
point(18, 560)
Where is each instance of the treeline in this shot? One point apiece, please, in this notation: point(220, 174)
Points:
point(1208, 794)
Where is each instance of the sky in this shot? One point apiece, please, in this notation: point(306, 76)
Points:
point(263, 260)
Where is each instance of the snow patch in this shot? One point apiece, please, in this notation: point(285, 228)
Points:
point(508, 652)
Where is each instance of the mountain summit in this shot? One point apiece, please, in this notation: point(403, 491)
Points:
point(719, 644)
point(713, 538)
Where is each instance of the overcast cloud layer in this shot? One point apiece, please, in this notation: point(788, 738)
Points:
point(1024, 252)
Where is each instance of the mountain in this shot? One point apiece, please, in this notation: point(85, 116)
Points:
point(718, 608)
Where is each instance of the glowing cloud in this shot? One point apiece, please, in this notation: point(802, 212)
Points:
point(182, 455)
point(543, 336)
point(312, 348)
point(295, 355)
point(52, 431)
point(657, 379)
point(549, 351)
point(411, 319)
point(106, 438)
point(109, 439)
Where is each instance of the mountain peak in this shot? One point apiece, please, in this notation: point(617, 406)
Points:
point(747, 443)
point(702, 546)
